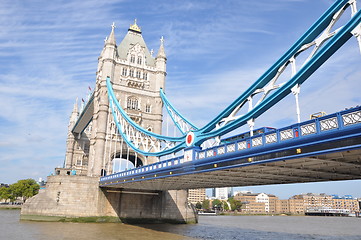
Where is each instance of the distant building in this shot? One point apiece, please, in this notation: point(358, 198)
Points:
point(261, 203)
point(314, 200)
point(257, 203)
point(196, 195)
point(243, 191)
point(282, 206)
point(222, 193)
point(299, 204)
point(296, 205)
point(346, 202)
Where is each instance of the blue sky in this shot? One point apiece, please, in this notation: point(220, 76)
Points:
point(215, 50)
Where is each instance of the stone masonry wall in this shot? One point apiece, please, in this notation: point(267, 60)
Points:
point(69, 196)
point(161, 206)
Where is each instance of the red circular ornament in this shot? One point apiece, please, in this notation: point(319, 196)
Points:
point(189, 139)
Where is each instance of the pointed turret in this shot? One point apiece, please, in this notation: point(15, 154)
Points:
point(74, 115)
point(161, 52)
point(110, 46)
point(160, 64)
point(111, 39)
point(71, 138)
point(106, 66)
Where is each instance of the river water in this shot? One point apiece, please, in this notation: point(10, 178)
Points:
point(209, 227)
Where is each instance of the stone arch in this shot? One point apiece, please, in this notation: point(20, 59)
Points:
point(121, 162)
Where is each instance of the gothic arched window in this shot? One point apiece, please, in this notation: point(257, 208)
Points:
point(132, 58)
point(131, 72)
point(132, 103)
point(139, 60)
point(124, 72)
point(138, 74)
point(148, 108)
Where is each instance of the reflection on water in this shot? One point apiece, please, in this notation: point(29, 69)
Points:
point(209, 227)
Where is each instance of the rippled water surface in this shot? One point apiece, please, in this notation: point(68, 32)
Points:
point(209, 227)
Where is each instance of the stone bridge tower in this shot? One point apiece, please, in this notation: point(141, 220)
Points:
point(137, 77)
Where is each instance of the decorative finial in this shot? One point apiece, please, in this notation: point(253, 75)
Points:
point(135, 27)
point(161, 52)
point(106, 38)
point(151, 52)
point(111, 37)
point(162, 40)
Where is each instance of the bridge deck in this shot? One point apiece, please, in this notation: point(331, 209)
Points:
point(85, 117)
point(328, 167)
point(325, 155)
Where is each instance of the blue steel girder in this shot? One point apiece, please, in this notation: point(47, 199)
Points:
point(183, 124)
point(140, 140)
point(322, 149)
point(323, 53)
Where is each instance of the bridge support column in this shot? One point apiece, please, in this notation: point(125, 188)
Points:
point(66, 198)
point(134, 206)
point(176, 207)
point(79, 198)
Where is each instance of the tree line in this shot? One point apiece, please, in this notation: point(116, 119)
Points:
point(230, 205)
point(23, 189)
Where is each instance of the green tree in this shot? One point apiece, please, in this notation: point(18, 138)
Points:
point(25, 188)
point(5, 194)
point(216, 203)
point(235, 204)
point(225, 206)
point(205, 204)
point(198, 205)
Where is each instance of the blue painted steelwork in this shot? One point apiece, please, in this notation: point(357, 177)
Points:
point(307, 37)
point(247, 134)
point(121, 129)
point(170, 108)
point(310, 67)
point(293, 139)
point(113, 100)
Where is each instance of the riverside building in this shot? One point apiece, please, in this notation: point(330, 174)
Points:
point(196, 195)
point(257, 203)
point(261, 203)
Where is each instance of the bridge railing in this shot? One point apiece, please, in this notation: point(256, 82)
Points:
point(146, 169)
point(326, 124)
point(284, 136)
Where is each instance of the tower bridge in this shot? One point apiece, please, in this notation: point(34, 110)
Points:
point(122, 120)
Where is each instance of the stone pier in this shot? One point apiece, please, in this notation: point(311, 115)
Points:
point(79, 199)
